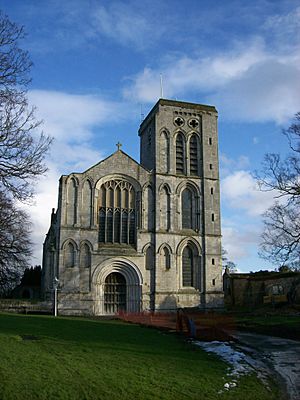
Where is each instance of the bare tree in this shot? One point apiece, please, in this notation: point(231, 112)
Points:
point(22, 148)
point(227, 264)
point(281, 235)
point(15, 245)
point(22, 152)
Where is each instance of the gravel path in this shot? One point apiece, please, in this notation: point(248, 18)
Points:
point(279, 355)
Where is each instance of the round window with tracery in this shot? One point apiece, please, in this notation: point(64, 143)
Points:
point(193, 123)
point(178, 121)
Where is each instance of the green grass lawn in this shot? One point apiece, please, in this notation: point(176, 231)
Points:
point(278, 325)
point(43, 357)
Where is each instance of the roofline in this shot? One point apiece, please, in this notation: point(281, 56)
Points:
point(106, 158)
point(184, 104)
point(269, 275)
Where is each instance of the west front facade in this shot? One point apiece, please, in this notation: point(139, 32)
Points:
point(129, 236)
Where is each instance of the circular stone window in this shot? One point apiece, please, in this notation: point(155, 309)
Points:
point(178, 121)
point(193, 123)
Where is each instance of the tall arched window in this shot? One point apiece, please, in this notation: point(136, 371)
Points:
point(85, 256)
point(164, 152)
point(187, 267)
point(194, 168)
point(86, 213)
point(180, 156)
point(166, 258)
point(117, 213)
point(187, 209)
point(164, 209)
point(71, 202)
point(149, 208)
point(69, 255)
point(149, 258)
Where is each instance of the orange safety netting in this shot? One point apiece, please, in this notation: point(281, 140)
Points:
point(196, 324)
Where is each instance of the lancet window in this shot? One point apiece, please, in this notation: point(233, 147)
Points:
point(180, 157)
point(69, 255)
point(187, 209)
point(85, 256)
point(187, 267)
point(71, 202)
point(166, 258)
point(194, 155)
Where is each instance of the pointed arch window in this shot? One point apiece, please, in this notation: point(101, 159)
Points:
point(165, 212)
point(166, 258)
point(180, 156)
point(194, 156)
point(187, 209)
point(69, 255)
point(149, 258)
point(117, 213)
point(71, 202)
point(164, 152)
point(149, 208)
point(86, 213)
point(187, 267)
point(85, 256)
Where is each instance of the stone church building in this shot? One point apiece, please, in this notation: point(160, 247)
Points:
point(142, 236)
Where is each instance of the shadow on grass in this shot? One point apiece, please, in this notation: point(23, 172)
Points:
point(112, 335)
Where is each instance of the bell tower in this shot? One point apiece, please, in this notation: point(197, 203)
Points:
point(179, 144)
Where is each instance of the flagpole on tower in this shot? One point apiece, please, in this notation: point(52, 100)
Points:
point(161, 87)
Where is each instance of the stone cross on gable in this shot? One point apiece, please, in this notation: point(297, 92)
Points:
point(119, 145)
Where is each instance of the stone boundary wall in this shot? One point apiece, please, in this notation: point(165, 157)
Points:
point(25, 306)
point(250, 290)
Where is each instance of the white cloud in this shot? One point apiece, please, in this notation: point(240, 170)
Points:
point(40, 210)
point(241, 241)
point(269, 91)
point(240, 191)
point(227, 165)
point(249, 83)
point(284, 27)
point(234, 242)
point(186, 73)
point(71, 117)
point(71, 120)
point(127, 24)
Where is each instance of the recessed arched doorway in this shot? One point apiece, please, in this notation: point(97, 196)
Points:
point(117, 286)
point(114, 293)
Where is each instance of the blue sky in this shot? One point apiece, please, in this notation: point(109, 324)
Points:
point(97, 62)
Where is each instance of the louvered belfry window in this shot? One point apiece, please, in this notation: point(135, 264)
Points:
point(187, 266)
point(117, 214)
point(193, 155)
point(187, 209)
point(179, 154)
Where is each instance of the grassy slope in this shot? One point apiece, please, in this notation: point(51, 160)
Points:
point(88, 359)
point(278, 325)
